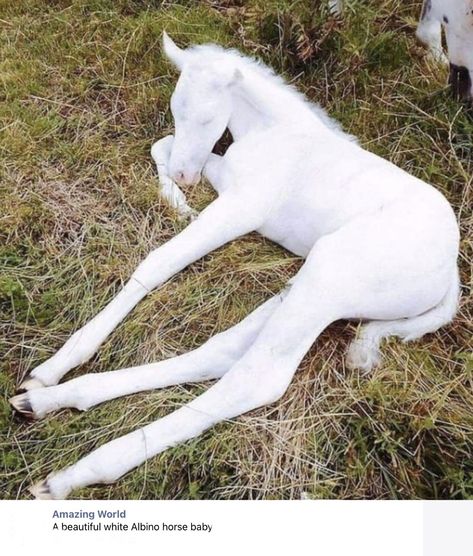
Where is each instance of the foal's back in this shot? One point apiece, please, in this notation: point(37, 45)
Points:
point(315, 181)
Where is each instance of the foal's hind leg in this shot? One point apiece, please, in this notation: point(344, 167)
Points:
point(364, 353)
point(212, 360)
point(260, 377)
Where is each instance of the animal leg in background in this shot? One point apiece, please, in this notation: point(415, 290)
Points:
point(210, 361)
point(227, 218)
point(429, 32)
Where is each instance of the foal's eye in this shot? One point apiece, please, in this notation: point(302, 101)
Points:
point(206, 122)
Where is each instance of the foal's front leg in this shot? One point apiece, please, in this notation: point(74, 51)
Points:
point(225, 219)
point(210, 361)
point(260, 377)
point(161, 153)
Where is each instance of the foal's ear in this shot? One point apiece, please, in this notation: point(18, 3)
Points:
point(175, 54)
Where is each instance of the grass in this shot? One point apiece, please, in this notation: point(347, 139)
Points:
point(84, 91)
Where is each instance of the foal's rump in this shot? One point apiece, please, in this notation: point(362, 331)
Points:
point(394, 263)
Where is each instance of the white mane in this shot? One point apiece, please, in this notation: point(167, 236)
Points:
point(235, 58)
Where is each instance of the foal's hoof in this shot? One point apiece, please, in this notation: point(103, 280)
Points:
point(22, 404)
point(362, 355)
point(30, 384)
point(41, 491)
point(187, 214)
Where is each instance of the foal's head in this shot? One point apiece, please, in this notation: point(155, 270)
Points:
point(201, 106)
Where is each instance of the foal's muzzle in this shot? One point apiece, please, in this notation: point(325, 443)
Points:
point(185, 178)
point(461, 82)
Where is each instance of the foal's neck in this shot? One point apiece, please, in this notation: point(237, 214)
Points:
point(261, 101)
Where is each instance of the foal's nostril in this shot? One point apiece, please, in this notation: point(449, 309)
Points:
point(179, 177)
point(185, 178)
point(460, 81)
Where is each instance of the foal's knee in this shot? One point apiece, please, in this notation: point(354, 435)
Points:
point(162, 148)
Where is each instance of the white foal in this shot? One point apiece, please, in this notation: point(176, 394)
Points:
point(380, 245)
point(456, 18)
